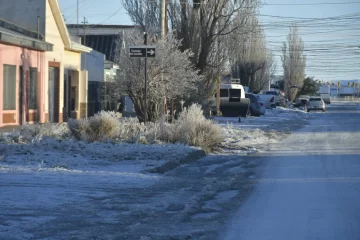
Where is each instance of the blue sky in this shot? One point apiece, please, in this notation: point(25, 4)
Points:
point(330, 43)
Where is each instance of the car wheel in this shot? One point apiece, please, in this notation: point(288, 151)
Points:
point(323, 110)
point(308, 110)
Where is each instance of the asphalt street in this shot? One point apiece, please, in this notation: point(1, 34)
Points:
point(309, 186)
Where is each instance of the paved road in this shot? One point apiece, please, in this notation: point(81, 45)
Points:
point(308, 188)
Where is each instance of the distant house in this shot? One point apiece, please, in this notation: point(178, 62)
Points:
point(94, 63)
point(106, 39)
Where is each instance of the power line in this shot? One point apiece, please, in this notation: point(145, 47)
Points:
point(311, 4)
point(118, 10)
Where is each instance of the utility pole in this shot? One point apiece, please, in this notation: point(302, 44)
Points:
point(38, 27)
point(219, 72)
point(163, 19)
point(163, 36)
point(85, 22)
point(145, 105)
point(77, 18)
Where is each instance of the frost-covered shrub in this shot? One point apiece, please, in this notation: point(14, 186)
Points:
point(78, 128)
point(102, 126)
point(194, 129)
point(56, 130)
point(106, 126)
point(130, 130)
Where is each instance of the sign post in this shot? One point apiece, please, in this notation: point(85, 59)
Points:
point(143, 52)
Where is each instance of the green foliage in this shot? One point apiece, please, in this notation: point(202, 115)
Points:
point(310, 87)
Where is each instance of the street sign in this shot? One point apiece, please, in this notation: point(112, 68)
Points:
point(142, 52)
point(150, 52)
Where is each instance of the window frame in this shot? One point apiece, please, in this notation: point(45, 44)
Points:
point(7, 94)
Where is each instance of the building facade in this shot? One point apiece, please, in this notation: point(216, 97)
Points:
point(22, 75)
point(63, 89)
point(94, 63)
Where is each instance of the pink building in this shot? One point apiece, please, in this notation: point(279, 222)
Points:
point(22, 76)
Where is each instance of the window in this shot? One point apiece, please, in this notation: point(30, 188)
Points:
point(235, 93)
point(224, 93)
point(73, 99)
point(9, 87)
point(315, 99)
point(33, 84)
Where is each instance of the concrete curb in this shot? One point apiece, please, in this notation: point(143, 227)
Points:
point(171, 165)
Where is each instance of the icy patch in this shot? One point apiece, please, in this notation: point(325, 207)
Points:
point(221, 198)
point(247, 141)
point(212, 168)
point(226, 196)
point(204, 216)
point(236, 170)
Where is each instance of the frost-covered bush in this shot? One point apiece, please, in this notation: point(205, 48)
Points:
point(102, 126)
point(194, 129)
point(78, 128)
point(56, 130)
point(130, 130)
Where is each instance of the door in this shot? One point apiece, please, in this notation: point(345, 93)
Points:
point(51, 93)
point(21, 95)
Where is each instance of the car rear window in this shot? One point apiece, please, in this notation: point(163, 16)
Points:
point(315, 99)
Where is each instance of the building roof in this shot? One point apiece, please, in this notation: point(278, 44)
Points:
point(99, 29)
point(60, 22)
point(15, 28)
point(15, 38)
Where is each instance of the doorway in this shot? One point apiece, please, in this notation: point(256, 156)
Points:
point(54, 101)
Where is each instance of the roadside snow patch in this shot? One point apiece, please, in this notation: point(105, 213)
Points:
point(71, 156)
point(247, 141)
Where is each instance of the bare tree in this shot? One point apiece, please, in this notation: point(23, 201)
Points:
point(198, 24)
point(145, 14)
point(294, 63)
point(262, 77)
point(249, 58)
point(170, 72)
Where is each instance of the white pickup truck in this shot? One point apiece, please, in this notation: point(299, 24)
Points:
point(272, 98)
point(269, 100)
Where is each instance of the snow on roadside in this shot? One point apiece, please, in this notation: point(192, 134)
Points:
point(76, 156)
point(254, 134)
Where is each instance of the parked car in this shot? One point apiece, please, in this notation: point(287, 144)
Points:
point(326, 98)
point(262, 104)
point(257, 106)
point(276, 95)
point(315, 103)
point(269, 100)
point(301, 101)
